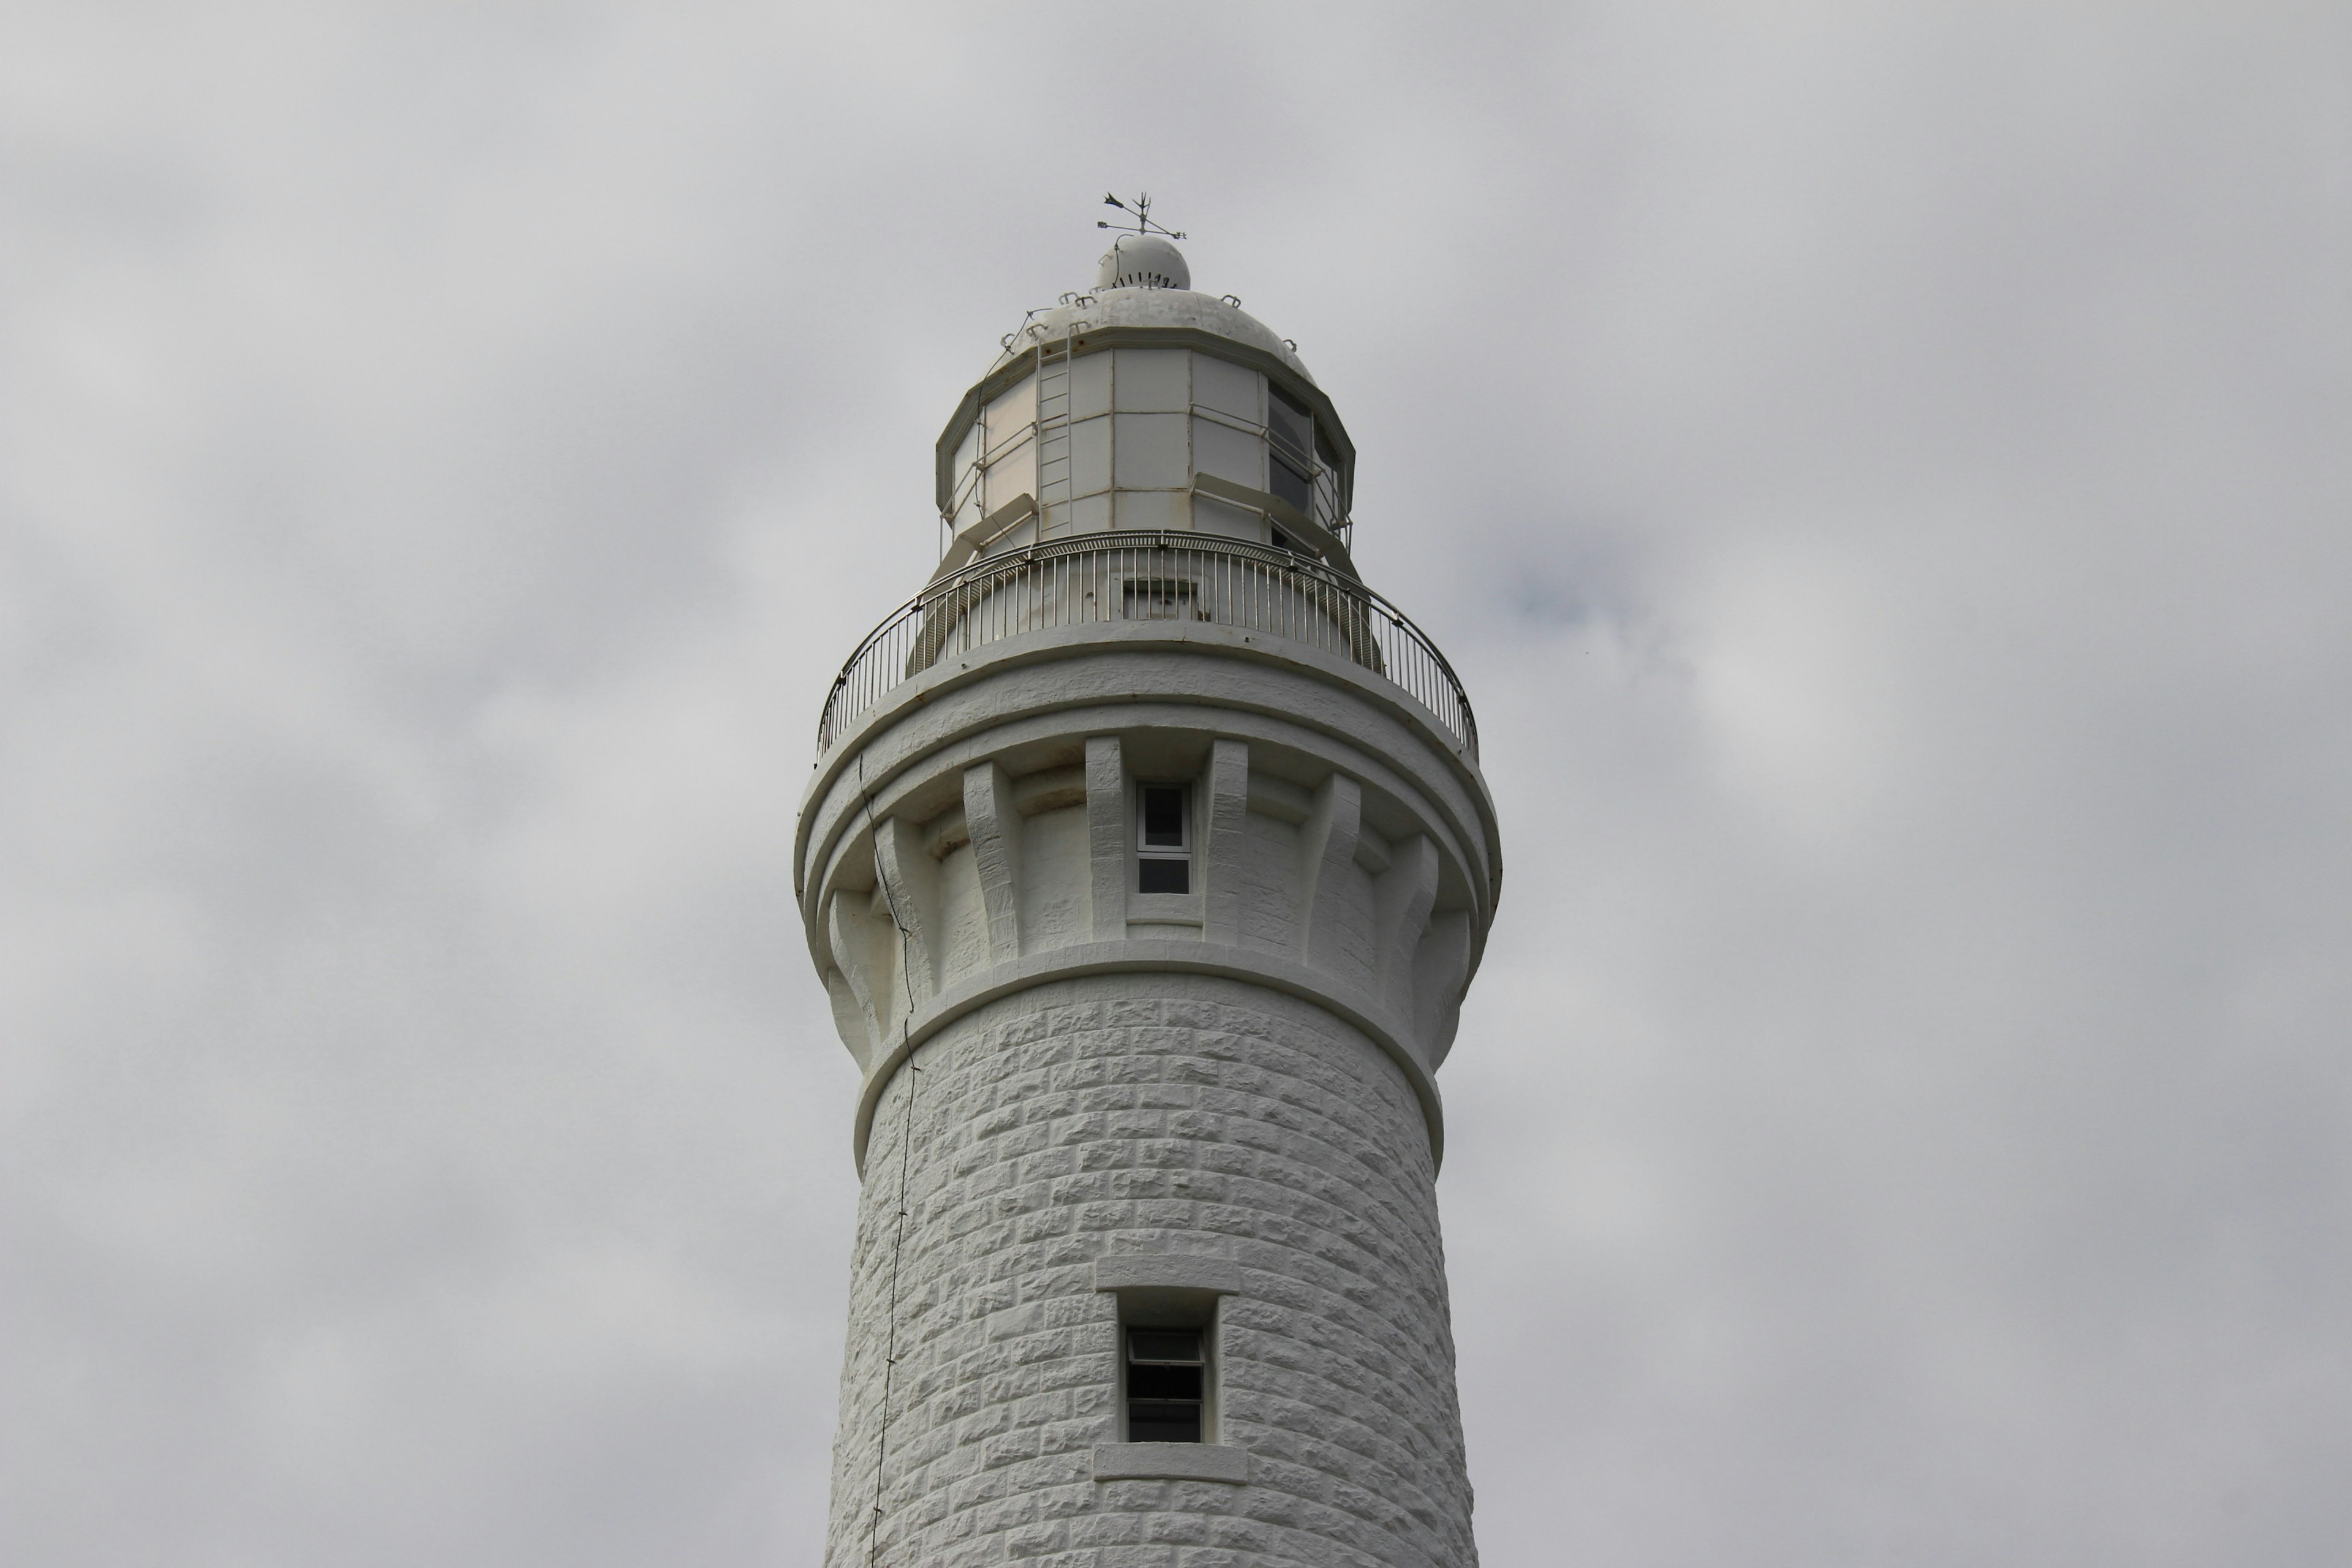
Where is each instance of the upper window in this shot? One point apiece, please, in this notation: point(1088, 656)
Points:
point(1167, 1379)
point(1163, 855)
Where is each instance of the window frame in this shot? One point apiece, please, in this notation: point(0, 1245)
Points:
point(1164, 1291)
point(1147, 852)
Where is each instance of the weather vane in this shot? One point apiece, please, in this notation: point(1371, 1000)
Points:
point(1140, 211)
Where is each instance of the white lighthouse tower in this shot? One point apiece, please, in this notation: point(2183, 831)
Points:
point(1147, 861)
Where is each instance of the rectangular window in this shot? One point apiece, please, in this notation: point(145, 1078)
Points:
point(1167, 1381)
point(1163, 599)
point(1164, 850)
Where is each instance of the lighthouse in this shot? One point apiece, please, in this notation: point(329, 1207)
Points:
point(1145, 862)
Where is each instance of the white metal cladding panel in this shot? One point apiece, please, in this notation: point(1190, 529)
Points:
point(1228, 453)
point(1228, 388)
point(1151, 508)
point(1090, 456)
point(1152, 380)
point(1013, 474)
point(1087, 514)
point(1127, 1116)
point(1152, 451)
point(1089, 386)
point(1011, 409)
point(1215, 517)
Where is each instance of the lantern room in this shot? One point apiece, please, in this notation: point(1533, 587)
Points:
point(1143, 404)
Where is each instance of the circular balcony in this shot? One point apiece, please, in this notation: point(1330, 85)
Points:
point(1138, 575)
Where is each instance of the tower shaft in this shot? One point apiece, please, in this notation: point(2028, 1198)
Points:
point(1146, 868)
point(1198, 1118)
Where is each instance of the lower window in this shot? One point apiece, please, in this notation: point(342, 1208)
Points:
point(1166, 1379)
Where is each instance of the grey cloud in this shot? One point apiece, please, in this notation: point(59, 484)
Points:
point(1881, 474)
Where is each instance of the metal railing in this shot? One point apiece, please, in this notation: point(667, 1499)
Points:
point(1141, 575)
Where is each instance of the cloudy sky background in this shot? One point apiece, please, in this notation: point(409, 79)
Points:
point(1883, 472)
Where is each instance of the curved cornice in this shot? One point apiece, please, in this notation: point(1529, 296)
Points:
point(1069, 642)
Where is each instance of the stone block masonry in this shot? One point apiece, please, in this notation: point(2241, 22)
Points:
point(1124, 1116)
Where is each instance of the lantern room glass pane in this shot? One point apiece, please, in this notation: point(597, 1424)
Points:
point(1289, 483)
point(1290, 426)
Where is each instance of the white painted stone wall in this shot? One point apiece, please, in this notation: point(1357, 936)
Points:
point(1242, 1073)
point(1181, 1115)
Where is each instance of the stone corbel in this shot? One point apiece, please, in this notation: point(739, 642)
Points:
point(861, 964)
point(1226, 786)
point(1327, 850)
point(1440, 971)
point(1402, 899)
point(909, 887)
point(994, 829)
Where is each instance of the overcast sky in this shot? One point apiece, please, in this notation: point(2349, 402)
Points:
point(1883, 472)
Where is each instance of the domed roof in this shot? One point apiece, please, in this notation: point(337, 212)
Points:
point(1149, 303)
point(1143, 261)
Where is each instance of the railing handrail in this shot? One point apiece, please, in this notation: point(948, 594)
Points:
point(954, 590)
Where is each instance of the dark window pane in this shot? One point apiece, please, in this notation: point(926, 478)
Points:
point(1163, 1383)
point(1290, 484)
point(1149, 1423)
point(1163, 818)
point(1180, 1346)
point(1288, 424)
point(1163, 876)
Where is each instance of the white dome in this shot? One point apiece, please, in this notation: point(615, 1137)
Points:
point(1143, 261)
